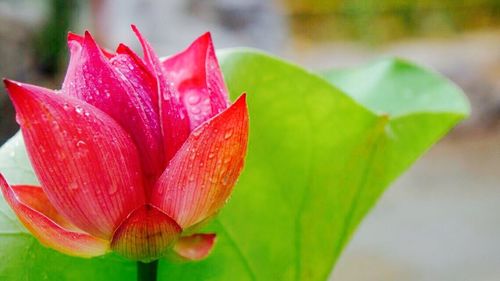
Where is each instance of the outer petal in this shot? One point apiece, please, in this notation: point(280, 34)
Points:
point(197, 76)
point(35, 198)
point(200, 177)
point(49, 232)
point(173, 115)
point(120, 93)
point(145, 235)
point(195, 247)
point(87, 165)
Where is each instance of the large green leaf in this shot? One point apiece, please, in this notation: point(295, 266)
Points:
point(317, 162)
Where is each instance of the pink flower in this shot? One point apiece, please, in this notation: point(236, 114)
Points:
point(132, 154)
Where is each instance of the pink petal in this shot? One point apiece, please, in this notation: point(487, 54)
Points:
point(47, 231)
point(173, 115)
point(195, 247)
point(201, 176)
point(122, 92)
point(196, 74)
point(128, 62)
point(145, 235)
point(87, 164)
point(75, 37)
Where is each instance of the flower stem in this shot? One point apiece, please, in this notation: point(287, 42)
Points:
point(147, 271)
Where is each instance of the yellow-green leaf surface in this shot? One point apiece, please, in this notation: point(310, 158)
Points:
point(318, 160)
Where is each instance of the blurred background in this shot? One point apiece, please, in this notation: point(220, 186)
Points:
point(441, 220)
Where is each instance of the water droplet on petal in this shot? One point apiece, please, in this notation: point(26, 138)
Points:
point(73, 186)
point(195, 110)
point(193, 99)
point(78, 109)
point(80, 143)
point(211, 155)
point(228, 134)
point(112, 189)
point(197, 132)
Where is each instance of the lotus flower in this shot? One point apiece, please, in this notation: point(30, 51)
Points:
point(133, 154)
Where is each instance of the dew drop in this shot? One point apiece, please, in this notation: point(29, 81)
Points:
point(112, 189)
point(73, 186)
point(19, 120)
point(78, 109)
point(228, 134)
point(197, 132)
point(195, 110)
point(80, 143)
point(211, 155)
point(193, 99)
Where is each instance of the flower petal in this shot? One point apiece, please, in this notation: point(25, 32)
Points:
point(145, 235)
point(87, 164)
point(122, 93)
point(195, 247)
point(173, 115)
point(35, 198)
point(47, 231)
point(201, 176)
point(196, 74)
point(75, 37)
point(137, 73)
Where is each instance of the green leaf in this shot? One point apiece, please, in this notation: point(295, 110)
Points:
point(317, 162)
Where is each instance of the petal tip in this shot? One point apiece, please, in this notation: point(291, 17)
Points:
point(195, 247)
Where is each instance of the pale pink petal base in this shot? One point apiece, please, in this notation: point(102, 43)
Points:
point(195, 247)
point(35, 198)
point(145, 235)
point(49, 232)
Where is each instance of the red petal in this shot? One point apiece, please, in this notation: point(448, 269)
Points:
point(47, 231)
point(145, 235)
point(173, 115)
point(197, 76)
point(122, 93)
point(87, 165)
point(201, 176)
point(195, 247)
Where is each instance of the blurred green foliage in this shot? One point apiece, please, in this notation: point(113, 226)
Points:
point(382, 20)
point(50, 44)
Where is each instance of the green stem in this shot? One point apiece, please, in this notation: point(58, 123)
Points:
point(147, 271)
